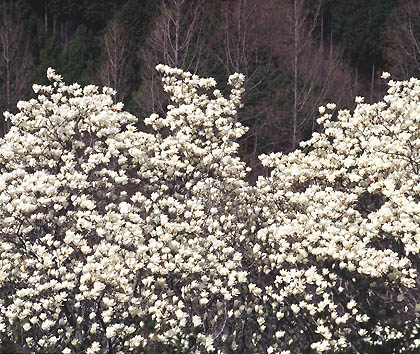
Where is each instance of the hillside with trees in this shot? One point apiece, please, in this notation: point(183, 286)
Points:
point(295, 55)
point(226, 177)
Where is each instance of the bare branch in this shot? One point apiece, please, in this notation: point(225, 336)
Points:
point(113, 69)
point(175, 39)
point(15, 63)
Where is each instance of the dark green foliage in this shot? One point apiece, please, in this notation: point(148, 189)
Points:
point(96, 14)
point(48, 52)
point(357, 26)
point(136, 16)
point(77, 60)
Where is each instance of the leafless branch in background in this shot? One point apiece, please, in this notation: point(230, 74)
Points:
point(175, 39)
point(313, 65)
point(403, 37)
point(15, 64)
point(243, 37)
point(112, 72)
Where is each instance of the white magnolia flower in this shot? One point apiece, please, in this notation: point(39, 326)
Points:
point(103, 225)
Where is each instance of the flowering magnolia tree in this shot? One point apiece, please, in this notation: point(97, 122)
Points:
point(344, 218)
point(115, 240)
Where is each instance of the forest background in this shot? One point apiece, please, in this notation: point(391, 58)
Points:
point(296, 54)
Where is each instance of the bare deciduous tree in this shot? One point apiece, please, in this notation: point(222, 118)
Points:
point(314, 66)
point(243, 37)
point(242, 27)
point(175, 39)
point(403, 37)
point(112, 72)
point(15, 63)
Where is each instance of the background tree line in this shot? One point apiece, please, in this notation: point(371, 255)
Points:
point(296, 54)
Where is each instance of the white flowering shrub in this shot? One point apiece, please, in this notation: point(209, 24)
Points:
point(344, 218)
point(112, 239)
point(115, 240)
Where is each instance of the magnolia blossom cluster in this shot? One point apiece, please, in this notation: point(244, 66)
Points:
point(114, 240)
point(345, 214)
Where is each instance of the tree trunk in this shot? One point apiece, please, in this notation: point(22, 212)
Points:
point(46, 18)
point(372, 83)
point(295, 77)
point(15, 63)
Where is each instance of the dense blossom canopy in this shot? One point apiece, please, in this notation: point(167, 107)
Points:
point(347, 215)
point(115, 240)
